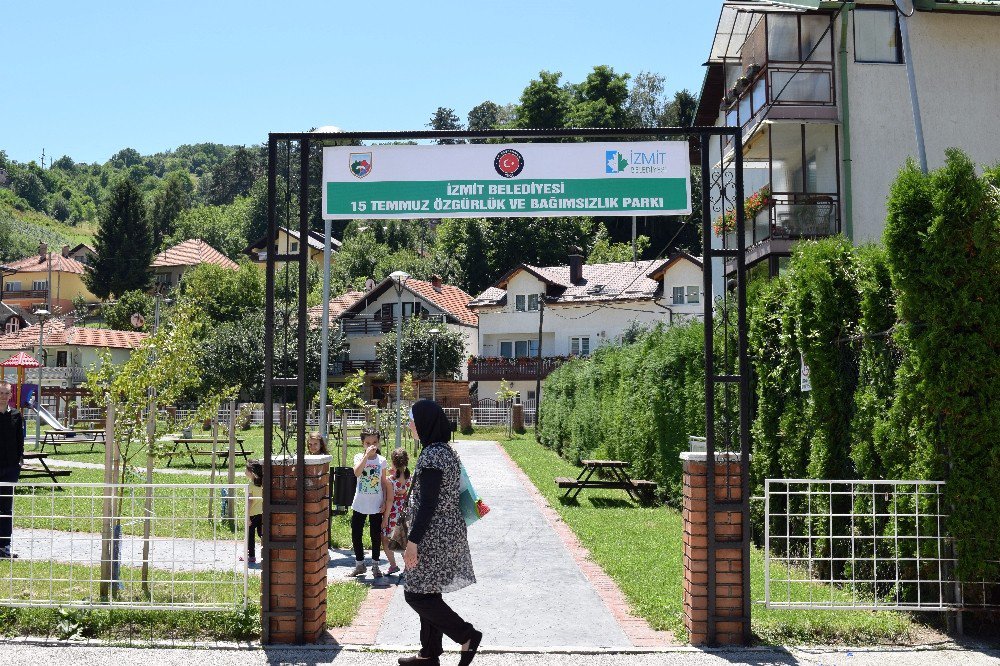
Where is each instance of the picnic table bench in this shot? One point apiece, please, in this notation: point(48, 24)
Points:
point(56, 437)
point(221, 452)
point(33, 471)
point(638, 489)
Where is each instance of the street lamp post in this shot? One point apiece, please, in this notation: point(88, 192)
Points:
point(434, 355)
point(399, 279)
point(42, 315)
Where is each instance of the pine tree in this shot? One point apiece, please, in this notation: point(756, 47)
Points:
point(123, 244)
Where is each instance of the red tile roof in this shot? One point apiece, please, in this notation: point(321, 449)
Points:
point(36, 263)
point(192, 252)
point(337, 305)
point(58, 334)
point(451, 299)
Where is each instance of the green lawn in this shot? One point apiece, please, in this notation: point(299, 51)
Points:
point(640, 548)
point(343, 601)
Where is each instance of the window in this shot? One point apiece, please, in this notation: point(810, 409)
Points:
point(527, 348)
point(13, 325)
point(519, 303)
point(678, 295)
point(411, 308)
point(531, 396)
point(876, 35)
point(12, 286)
point(693, 294)
point(532, 301)
point(61, 359)
point(39, 285)
point(295, 246)
point(579, 346)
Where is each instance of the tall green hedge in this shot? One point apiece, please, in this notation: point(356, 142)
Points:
point(637, 402)
point(942, 239)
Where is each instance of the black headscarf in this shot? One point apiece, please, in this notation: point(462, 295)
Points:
point(432, 424)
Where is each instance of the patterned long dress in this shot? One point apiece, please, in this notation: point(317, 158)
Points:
point(444, 563)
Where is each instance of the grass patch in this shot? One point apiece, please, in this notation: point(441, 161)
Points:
point(116, 624)
point(640, 548)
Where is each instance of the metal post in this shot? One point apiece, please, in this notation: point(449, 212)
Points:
point(272, 230)
point(324, 359)
point(399, 356)
point(42, 315)
point(434, 362)
point(918, 126)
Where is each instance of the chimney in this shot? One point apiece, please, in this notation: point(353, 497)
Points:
point(575, 265)
point(436, 282)
point(65, 250)
point(43, 249)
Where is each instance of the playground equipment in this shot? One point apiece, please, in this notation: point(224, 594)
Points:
point(20, 361)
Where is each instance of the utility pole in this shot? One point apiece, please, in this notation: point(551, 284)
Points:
point(538, 362)
point(635, 254)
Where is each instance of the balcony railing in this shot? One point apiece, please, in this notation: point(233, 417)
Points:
point(34, 294)
point(350, 367)
point(69, 375)
point(492, 368)
point(793, 216)
point(378, 325)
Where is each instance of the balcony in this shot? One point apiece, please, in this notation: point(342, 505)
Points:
point(51, 376)
point(34, 295)
point(350, 367)
point(784, 71)
point(369, 325)
point(494, 368)
point(790, 216)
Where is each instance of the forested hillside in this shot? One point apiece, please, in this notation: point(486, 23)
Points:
point(218, 193)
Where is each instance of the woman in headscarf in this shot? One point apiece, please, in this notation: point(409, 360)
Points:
point(437, 555)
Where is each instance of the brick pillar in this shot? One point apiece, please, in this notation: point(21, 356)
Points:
point(465, 418)
point(517, 417)
point(284, 489)
point(729, 628)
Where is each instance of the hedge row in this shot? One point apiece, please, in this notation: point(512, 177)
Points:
point(637, 402)
point(903, 345)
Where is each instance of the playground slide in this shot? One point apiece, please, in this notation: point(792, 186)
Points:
point(48, 419)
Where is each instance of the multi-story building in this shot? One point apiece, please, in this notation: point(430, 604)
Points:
point(287, 243)
point(45, 280)
point(823, 100)
point(571, 310)
point(170, 265)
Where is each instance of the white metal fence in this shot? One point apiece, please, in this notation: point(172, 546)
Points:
point(861, 545)
point(70, 556)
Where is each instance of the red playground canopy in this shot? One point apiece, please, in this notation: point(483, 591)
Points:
point(21, 360)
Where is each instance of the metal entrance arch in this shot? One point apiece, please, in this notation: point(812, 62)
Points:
point(294, 160)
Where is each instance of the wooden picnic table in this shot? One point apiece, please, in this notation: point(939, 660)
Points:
point(222, 452)
point(31, 471)
point(638, 489)
point(56, 437)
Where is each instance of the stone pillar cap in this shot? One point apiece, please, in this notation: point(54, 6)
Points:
point(702, 456)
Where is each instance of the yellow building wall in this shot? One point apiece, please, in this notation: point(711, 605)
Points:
point(65, 287)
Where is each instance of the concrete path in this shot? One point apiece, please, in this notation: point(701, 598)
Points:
point(531, 593)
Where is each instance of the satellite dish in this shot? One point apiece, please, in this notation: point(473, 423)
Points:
point(369, 284)
point(138, 321)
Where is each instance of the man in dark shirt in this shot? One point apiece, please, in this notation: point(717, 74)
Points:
point(11, 454)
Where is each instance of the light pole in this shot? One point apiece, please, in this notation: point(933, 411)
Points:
point(42, 315)
point(399, 279)
point(434, 363)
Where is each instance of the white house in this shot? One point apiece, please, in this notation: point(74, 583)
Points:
point(68, 351)
point(585, 305)
point(365, 317)
point(823, 101)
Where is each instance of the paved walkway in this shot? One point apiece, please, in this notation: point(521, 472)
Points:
point(531, 592)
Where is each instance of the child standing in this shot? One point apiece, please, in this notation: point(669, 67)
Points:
point(255, 474)
point(395, 505)
point(369, 501)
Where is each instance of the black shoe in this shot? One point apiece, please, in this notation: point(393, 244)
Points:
point(7, 554)
point(470, 654)
point(417, 660)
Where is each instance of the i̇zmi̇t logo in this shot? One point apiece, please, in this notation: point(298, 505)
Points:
point(653, 161)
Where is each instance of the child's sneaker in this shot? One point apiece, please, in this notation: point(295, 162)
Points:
point(376, 572)
point(359, 569)
point(392, 569)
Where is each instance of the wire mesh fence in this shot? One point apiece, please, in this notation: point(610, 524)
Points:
point(877, 545)
point(144, 546)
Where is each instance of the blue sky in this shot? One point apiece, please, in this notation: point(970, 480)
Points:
point(86, 79)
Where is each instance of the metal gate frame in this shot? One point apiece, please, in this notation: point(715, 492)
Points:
point(734, 443)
